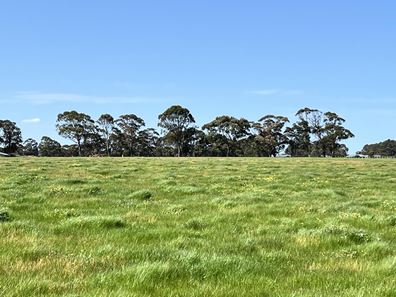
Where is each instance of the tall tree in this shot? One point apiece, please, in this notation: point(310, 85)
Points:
point(10, 136)
point(333, 133)
point(74, 126)
point(176, 120)
point(228, 131)
point(49, 147)
point(196, 142)
point(299, 136)
point(69, 150)
point(299, 139)
point(129, 125)
point(310, 127)
point(30, 147)
point(93, 143)
point(317, 133)
point(117, 142)
point(147, 142)
point(270, 129)
point(106, 125)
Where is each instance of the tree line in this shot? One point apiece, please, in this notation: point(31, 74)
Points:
point(386, 148)
point(314, 133)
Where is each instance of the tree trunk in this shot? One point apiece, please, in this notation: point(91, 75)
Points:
point(107, 148)
point(178, 150)
point(79, 147)
point(324, 152)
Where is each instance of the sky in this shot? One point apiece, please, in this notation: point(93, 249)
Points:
point(244, 58)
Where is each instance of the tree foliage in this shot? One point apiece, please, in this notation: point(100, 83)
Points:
point(75, 126)
point(175, 121)
point(386, 148)
point(314, 133)
point(10, 136)
point(271, 134)
point(129, 126)
point(225, 133)
point(49, 147)
point(105, 128)
point(30, 147)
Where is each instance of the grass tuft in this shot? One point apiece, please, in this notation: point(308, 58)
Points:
point(93, 222)
point(141, 195)
point(194, 224)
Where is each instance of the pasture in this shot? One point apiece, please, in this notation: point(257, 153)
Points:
point(197, 227)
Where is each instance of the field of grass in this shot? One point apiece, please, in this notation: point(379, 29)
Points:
point(197, 227)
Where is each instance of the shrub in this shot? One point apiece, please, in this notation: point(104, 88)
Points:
point(4, 215)
point(358, 236)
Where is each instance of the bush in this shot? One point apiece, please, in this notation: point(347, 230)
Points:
point(4, 215)
point(358, 236)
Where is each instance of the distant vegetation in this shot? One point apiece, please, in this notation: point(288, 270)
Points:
point(385, 149)
point(314, 133)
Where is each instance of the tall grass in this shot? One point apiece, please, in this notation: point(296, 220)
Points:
point(197, 227)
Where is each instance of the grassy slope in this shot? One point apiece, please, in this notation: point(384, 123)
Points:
point(213, 227)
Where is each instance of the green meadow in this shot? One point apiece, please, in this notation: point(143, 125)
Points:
point(197, 227)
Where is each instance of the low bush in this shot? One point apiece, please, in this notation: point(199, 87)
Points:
point(4, 215)
point(141, 195)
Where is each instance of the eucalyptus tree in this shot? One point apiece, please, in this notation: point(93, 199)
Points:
point(49, 147)
point(30, 147)
point(271, 133)
point(147, 141)
point(317, 134)
point(129, 125)
point(386, 148)
point(226, 131)
point(105, 128)
point(298, 139)
point(299, 134)
point(75, 126)
point(333, 133)
point(69, 150)
point(196, 143)
point(117, 142)
point(93, 144)
point(175, 121)
point(10, 136)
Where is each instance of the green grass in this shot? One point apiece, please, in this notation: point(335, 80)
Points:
point(197, 227)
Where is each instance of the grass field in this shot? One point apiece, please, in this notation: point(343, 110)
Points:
point(197, 227)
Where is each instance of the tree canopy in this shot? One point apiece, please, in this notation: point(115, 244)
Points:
point(175, 121)
point(10, 136)
point(314, 133)
point(75, 126)
point(386, 148)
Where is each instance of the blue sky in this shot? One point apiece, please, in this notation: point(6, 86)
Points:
point(242, 58)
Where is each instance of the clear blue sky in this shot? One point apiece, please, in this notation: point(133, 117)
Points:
point(242, 58)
